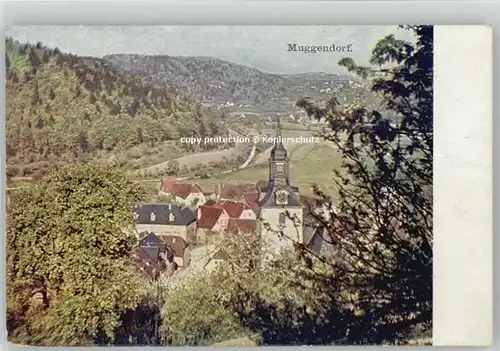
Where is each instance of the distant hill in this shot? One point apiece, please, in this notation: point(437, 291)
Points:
point(219, 83)
point(64, 108)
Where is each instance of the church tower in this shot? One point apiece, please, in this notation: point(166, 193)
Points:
point(278, 161)
point(280, 206)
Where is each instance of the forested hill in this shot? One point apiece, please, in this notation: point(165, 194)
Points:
point(65, 108)
point(216, 82)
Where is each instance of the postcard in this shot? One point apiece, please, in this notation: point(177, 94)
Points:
point(247, 185)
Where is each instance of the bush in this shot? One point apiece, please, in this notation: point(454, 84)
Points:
point(13, 171)
point(37, 175)
point(172, 168)
point(202, 173)
point(189, 319)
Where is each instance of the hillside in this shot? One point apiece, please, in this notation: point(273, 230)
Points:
point(220, 83)
point(64, 108)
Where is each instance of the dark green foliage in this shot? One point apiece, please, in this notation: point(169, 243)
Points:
point(173, 168)
point(62, 87)
point(7, 62)
point(69, 273)
point(34, 59)
point(385, 230)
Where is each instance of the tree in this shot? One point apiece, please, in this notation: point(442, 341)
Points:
point(7, 62)
point(383, 223)
point(33, 58)
point(194, 318)
point(69, 273)
point(208, 320)
point(172, 168)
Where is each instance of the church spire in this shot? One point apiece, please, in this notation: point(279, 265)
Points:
point(278, 162)
point(278, 152)
point(278, 128)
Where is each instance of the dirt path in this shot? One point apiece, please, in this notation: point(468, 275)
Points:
point(202, 157)
point(206, 157)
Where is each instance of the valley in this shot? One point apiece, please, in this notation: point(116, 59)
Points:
point(114, 110)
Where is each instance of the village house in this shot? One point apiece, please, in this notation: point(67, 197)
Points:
point(233, 192)
point(251, 198)
point(166, 219)
point(180, 249)
point(321, 244)
point(210, 221)
point(153, 258)
point(242, 226)
point(316, 236)
point(185, 194)
point(236, 209)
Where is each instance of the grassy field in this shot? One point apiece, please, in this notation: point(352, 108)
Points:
point(309, 163)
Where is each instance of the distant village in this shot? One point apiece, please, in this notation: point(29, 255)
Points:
point(170, 233)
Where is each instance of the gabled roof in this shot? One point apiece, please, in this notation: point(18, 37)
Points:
point(233, 209)
point(180, 216)
point(149, 261)
point(262, 185)
point(150, 239)
point(232, 191)
point(251, 199)
point(176, 244)
point(209, 215)
point(245, 226)
point(321, 245)
point(180, 189)
point(150, 247)
point(210, 202)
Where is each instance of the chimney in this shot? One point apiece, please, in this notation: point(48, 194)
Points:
point(199, 212)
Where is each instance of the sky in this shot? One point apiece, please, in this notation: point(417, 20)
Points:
point(262, 47)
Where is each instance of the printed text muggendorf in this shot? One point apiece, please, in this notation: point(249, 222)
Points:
point(312, 49)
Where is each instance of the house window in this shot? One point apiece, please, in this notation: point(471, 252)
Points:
point(282, 219)
point(136, 216)
point(171, 217)
point(152, 217)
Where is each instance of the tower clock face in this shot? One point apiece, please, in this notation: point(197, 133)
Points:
point(281, 197)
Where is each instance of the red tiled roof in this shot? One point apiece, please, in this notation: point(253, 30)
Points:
point(179, 189)
point(176, 244)
point(245, 226)
point(233, 209)
point(233, 191)
point(251, 199)
point(208, 216)
point(262, 184)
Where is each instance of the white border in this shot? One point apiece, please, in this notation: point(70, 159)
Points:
point(296, 12)
point(462, 304)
